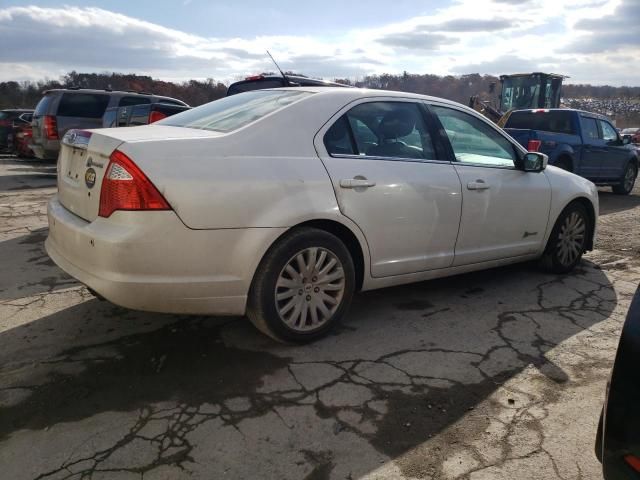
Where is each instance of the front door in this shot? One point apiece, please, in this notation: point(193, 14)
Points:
point(504, 210)
point(391, 180)
point(616, 154)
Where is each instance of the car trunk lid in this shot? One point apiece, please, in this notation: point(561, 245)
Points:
point(84, 158)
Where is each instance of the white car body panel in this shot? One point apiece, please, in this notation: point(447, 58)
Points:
point(233, 195)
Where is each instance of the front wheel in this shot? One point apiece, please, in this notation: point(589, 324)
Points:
point(568, 239)
point(303, 286)
point(628, 180)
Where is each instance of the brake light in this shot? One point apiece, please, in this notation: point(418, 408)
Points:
point(50, 127)
point(155, 116)
point(255, 77)
point(126, 187)
point(534, 145)
point(633, 462)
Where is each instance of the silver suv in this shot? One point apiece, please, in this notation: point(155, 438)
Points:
point(62, 109)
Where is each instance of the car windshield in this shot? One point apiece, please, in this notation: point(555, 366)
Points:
point(231, 113)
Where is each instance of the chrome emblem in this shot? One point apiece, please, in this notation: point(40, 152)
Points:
point(72, 137)
point(90, 177)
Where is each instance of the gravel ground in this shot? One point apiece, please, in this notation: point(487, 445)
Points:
point(492, 375)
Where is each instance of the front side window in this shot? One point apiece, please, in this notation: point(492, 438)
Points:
point(473, 141)
point(382, 130)
point(589, 128)
point(231, 113)
point(609, 133)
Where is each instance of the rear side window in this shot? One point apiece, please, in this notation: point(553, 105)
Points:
point(127, 101)
point(109, 119)
point(43, 105)
point(232, 113)
point(381, 130)
point(589, 128)
point(254, 85)
point(83, 105)
point(549, 121)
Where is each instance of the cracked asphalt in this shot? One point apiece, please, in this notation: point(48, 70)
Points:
point(492, 375)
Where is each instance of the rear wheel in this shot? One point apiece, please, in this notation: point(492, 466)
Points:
point(302, 287)
point(568, 239)
point(627, 181)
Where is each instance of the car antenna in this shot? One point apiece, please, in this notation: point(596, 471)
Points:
point(286, 80)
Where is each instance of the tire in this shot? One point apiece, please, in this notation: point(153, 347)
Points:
point(627, 181)
point(564, 163)
point(564, 252)
point(307, 308)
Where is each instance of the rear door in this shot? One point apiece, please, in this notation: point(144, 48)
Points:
point(395, 183)
point(616, 154)
point(593, 149)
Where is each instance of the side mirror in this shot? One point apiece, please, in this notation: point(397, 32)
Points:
point(626, 140)
point(534, 162)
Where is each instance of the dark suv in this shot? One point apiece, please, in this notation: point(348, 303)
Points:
point(8, 118)
point(258, 82)
point(62, 109)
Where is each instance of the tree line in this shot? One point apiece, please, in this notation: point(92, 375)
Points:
point(26, 94)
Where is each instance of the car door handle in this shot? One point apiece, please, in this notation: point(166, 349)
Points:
point(478, 185)
point(357, 183)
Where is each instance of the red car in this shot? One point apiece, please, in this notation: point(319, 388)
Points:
point(22, 134)
point(633, 133)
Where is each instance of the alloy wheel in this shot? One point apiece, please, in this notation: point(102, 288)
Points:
point(310, 289)
point(629, 178)
point(571, 238)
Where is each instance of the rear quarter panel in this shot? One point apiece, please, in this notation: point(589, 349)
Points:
point(266, 174)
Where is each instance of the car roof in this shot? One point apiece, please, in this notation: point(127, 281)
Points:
point(356, 93)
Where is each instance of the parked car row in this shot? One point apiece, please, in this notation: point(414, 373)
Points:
point(61, 110)
point(15, 128)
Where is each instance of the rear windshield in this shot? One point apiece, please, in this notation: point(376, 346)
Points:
point(232, 113)
point(548, 121)
point(630, 130)
point(84, 105)
point(43, 105)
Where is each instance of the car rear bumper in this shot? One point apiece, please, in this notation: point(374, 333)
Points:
point(151, 261)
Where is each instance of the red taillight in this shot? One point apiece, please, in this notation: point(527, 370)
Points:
point(155, 116)
point(255, 77)
point(125, 187)
point(5, 123)
point(534, 145)
point(50, 127)
point(633, 462)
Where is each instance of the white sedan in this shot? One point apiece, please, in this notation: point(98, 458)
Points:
point(280, 204)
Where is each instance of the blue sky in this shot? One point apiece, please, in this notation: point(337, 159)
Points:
point(592, 41)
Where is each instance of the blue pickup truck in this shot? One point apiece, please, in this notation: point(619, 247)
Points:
point(583, 143)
